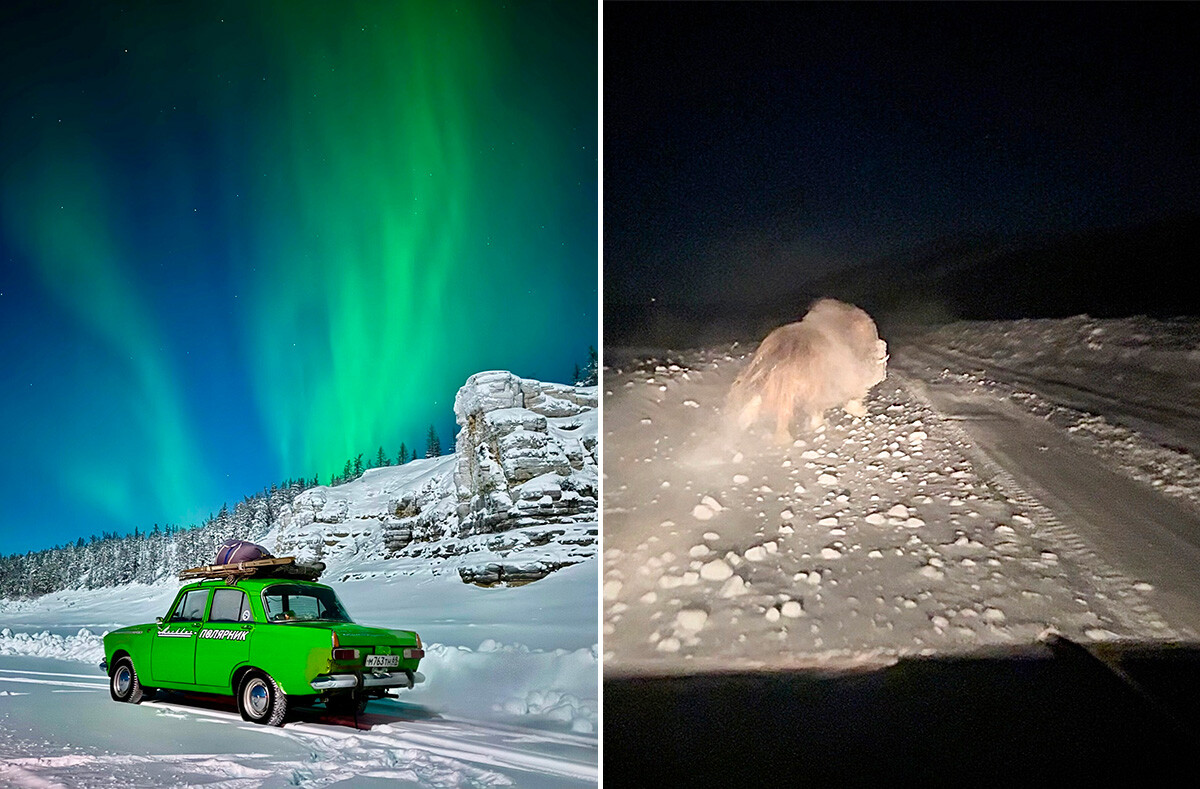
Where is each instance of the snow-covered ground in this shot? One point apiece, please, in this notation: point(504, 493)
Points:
point(957, 514)
point(58, 728)
point(510, 696)
point(511, 690)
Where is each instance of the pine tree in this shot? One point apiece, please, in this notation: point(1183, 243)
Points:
point(433, 447)
point(358, 466)
point(403, 454)
point(346, 471)
point(591, 373)
point(381, 460)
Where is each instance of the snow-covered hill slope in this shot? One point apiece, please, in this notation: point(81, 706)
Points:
point(903, 532)
point(521, 486)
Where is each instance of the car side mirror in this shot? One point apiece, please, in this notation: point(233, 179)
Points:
point(158, 620)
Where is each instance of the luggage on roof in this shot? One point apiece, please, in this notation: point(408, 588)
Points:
point(233, 551)
point(282, 567)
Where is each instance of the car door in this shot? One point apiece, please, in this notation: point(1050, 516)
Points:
point(224, 640)
point(174, 651)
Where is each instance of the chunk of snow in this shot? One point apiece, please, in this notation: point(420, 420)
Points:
point(669, 644)
point(733, 587)
point(691, 619)
point(716, 570)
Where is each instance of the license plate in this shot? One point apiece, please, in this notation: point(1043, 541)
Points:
point(383, 661)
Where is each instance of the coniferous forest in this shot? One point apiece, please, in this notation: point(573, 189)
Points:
point(161, 551)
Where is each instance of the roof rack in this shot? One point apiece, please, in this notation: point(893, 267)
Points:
point(285, 566)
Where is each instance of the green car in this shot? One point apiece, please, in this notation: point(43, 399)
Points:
point(272, 643)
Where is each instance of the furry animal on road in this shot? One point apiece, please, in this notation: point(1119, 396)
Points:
point(832, 357)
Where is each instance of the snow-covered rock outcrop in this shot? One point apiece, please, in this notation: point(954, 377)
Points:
point(525, 454)
point(515, 501)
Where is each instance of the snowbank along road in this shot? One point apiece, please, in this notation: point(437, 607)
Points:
point(965, 509)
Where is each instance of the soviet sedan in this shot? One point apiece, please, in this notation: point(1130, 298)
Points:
point(272, 643)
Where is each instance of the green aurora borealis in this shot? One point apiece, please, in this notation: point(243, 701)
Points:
point(248, 241)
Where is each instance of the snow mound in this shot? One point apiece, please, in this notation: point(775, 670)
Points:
point(85, 646)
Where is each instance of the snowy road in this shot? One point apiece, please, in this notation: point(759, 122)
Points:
point(58, 727)
point(1164, 405)
point(1117, 525)
point(957, 514)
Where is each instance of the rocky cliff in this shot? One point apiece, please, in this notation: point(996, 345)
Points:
point(516, 500)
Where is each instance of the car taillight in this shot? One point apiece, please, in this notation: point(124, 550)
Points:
point(345, 654)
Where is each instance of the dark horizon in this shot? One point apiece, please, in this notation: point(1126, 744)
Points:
point(754, 151)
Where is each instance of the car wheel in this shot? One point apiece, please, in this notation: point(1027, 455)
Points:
point(123, 683)
point(346, 705)
point(261, 700)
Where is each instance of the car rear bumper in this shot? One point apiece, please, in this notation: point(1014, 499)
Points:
point(394, 679)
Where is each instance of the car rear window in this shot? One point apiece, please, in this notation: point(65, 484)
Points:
point(191, 607)
point(291, 603)
point(229, 605)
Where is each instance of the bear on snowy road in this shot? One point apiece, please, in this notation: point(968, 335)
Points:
point(831, 357)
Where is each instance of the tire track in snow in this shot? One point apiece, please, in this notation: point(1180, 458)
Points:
point(448, 752)
point(1126, 605)
point(451, 745)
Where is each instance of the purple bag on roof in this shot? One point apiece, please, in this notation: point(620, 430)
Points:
point(234, 551)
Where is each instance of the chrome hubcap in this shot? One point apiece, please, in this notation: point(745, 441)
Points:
point(256, 697)
point(122, 680)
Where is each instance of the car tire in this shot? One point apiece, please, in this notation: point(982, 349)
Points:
point(124, 684)
point(261, 700)
point(346, 705)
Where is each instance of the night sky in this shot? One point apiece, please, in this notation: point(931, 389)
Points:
point(750, 147)
point(241, 242)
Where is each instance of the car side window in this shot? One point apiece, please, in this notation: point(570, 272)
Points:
point(229, 605)
point(191, 607)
